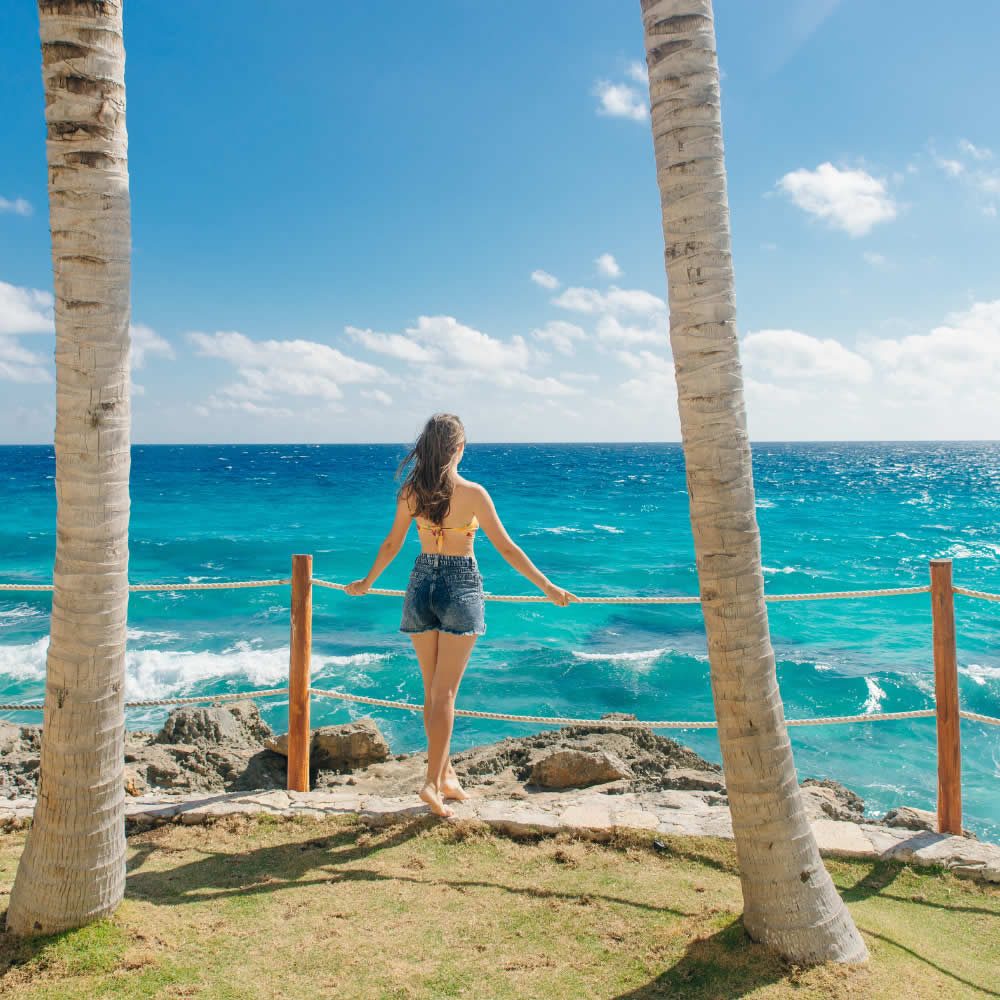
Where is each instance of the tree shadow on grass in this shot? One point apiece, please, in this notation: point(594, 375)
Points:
point(985, 990)
point(724, 964)
point(883, 874)
point(219, 875)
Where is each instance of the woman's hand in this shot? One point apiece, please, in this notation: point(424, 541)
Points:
point(357, 588)
point(559, 596)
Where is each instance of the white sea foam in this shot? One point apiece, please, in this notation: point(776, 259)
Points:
point(20, 613)
point(610, 528)
point(980, 673)
point(637, 659)
point(873, 703)
point(766, 504)
point(563, 529)
point(784, 570)
point(151, 638)
point(162, 673)
point(24, 662)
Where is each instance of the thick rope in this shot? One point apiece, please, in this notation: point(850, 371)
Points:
point(615, 723)
point(156, 702)
point(539, 599)
point(976, 717)
point(225, 585)
point(980, 594)
point(553, 720)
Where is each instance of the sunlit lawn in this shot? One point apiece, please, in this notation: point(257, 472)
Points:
point(259, 908)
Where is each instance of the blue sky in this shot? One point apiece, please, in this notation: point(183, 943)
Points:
point(336, 221)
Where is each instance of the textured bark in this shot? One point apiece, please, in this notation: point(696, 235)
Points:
point(790, 902)
point(73, 867)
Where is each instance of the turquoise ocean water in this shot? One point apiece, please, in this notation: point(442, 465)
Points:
point(598, 519)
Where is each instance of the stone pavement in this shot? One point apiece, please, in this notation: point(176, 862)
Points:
point(589, 813)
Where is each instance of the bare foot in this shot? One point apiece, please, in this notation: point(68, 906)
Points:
point(430, 795)
point(451, 788)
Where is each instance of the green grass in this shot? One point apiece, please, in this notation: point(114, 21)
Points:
point(256, 909)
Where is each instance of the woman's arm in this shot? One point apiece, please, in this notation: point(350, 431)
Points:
point(505, 545)
point(387, 551)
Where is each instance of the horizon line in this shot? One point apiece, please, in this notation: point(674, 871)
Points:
point(473, 444)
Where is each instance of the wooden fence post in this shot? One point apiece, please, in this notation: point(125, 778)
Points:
point(298, 675)
point(949, 743)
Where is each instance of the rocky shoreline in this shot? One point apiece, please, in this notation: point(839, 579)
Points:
point(209, 764)
point(229, 748)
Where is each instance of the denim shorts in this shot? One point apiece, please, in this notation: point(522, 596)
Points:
point(445, 594)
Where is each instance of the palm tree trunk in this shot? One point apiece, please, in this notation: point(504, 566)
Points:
point(790, 902)
point(73, 867)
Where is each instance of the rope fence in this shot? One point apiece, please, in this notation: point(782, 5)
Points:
point(947, 710)
point(157, 702)
point(831, 595)
point(557, 720)
point(550, 720)
point(520, 598)
point(638, 599)
point(976, 717)
point(978, 594)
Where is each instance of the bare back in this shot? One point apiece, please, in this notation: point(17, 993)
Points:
point(456, 535)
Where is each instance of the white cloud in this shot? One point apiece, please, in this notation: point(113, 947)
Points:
point(608, 266)
point(611, 330)
point(545, 279)
point(960, 357)
point(18, 206)
point(874, 259)
point(953, 168)
point(391, 344)
point(974, 174)
point(789, 354)
point(464, 345)
point(243, 406)
point(637, 71)
point(976, 152)
point(545, 386)
point(560, 335)
point(646, 361)
point(270, 368)
point(850, 200)
point(616, 301)
point(146, 341)
point(620, 100)
point(17, 364)
point(378, 395)
point(25, 310)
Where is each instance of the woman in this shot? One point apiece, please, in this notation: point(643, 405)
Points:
point(443, 611)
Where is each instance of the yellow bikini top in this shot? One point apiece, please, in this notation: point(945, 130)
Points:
point(438, 530)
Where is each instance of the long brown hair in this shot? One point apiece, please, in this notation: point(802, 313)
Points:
point(428, 485)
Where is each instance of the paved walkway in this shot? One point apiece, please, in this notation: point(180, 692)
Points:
point(593, 814)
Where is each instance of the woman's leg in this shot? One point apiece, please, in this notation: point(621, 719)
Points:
point(453, 656)
point(425, 644)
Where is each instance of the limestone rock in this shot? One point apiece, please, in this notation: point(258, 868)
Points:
point(348, 747)
point(908, 818)
point(831, 800)
point(20, 753)
point(237, 724)
point(693, 779)
point(578, 769)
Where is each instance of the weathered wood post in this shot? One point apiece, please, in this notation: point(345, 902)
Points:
point(949, 742)
point(298, 675)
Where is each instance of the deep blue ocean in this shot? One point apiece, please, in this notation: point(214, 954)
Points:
point(598, 519)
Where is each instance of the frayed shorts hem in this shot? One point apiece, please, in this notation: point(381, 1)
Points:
point(439, 628)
